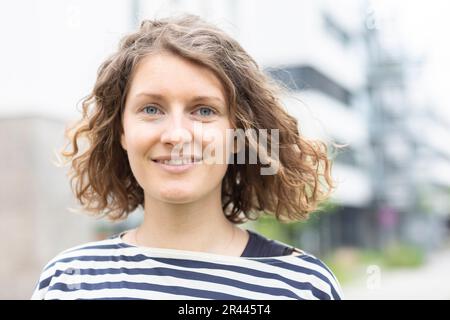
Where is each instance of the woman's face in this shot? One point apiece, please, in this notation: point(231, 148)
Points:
point(175, 108)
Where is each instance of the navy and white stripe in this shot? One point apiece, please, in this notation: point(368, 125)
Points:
point(112, 269)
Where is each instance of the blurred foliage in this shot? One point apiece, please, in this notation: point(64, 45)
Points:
point(349, 264)
point(346, 263)
point(424, 200)
point(289, 233)
point(269, 227)
point(402, 255)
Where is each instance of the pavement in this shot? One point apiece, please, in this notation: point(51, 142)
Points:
point(429, 281)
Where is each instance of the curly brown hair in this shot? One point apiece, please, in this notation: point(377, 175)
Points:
point(101, 177)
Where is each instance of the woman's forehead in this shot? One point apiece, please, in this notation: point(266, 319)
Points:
point(166, 73)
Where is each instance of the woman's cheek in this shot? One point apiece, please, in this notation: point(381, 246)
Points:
point(141, 139)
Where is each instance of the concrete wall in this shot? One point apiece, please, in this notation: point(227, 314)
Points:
point(35, 195)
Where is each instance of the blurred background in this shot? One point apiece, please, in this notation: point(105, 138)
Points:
point(368, 74)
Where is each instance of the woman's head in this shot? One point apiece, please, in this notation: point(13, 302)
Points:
point(172, 108)
point(177, 60)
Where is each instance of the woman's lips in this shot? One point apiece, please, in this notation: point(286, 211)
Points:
point(176, 168)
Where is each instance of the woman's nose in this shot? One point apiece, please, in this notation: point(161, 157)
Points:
point(177, 130)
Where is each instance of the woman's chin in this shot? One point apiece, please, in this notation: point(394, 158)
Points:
point(176, 194)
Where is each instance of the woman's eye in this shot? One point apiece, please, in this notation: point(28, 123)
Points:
point(151, 110)
point(205, 111)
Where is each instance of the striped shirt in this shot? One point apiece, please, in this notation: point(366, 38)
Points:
point(113, 269)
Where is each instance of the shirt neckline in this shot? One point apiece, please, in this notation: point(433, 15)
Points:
point(177, 253)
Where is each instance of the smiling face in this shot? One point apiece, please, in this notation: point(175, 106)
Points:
point(175, 105)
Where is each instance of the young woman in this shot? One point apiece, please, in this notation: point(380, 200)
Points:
point(183, 83)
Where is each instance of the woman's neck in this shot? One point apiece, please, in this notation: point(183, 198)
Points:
point(196, 226)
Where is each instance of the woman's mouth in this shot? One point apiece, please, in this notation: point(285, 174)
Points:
point(177, 162)
point(177, 165)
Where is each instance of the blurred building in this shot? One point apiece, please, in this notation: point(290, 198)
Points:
point(35, 198)
point(412, 165)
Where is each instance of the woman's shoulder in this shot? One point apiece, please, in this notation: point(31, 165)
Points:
point(66, 261)
point(294, 264)
point(314, 271)
point(84, 249)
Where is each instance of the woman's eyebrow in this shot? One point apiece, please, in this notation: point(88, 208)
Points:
point(203, 98)
point(150, 95)
point(193, 99)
